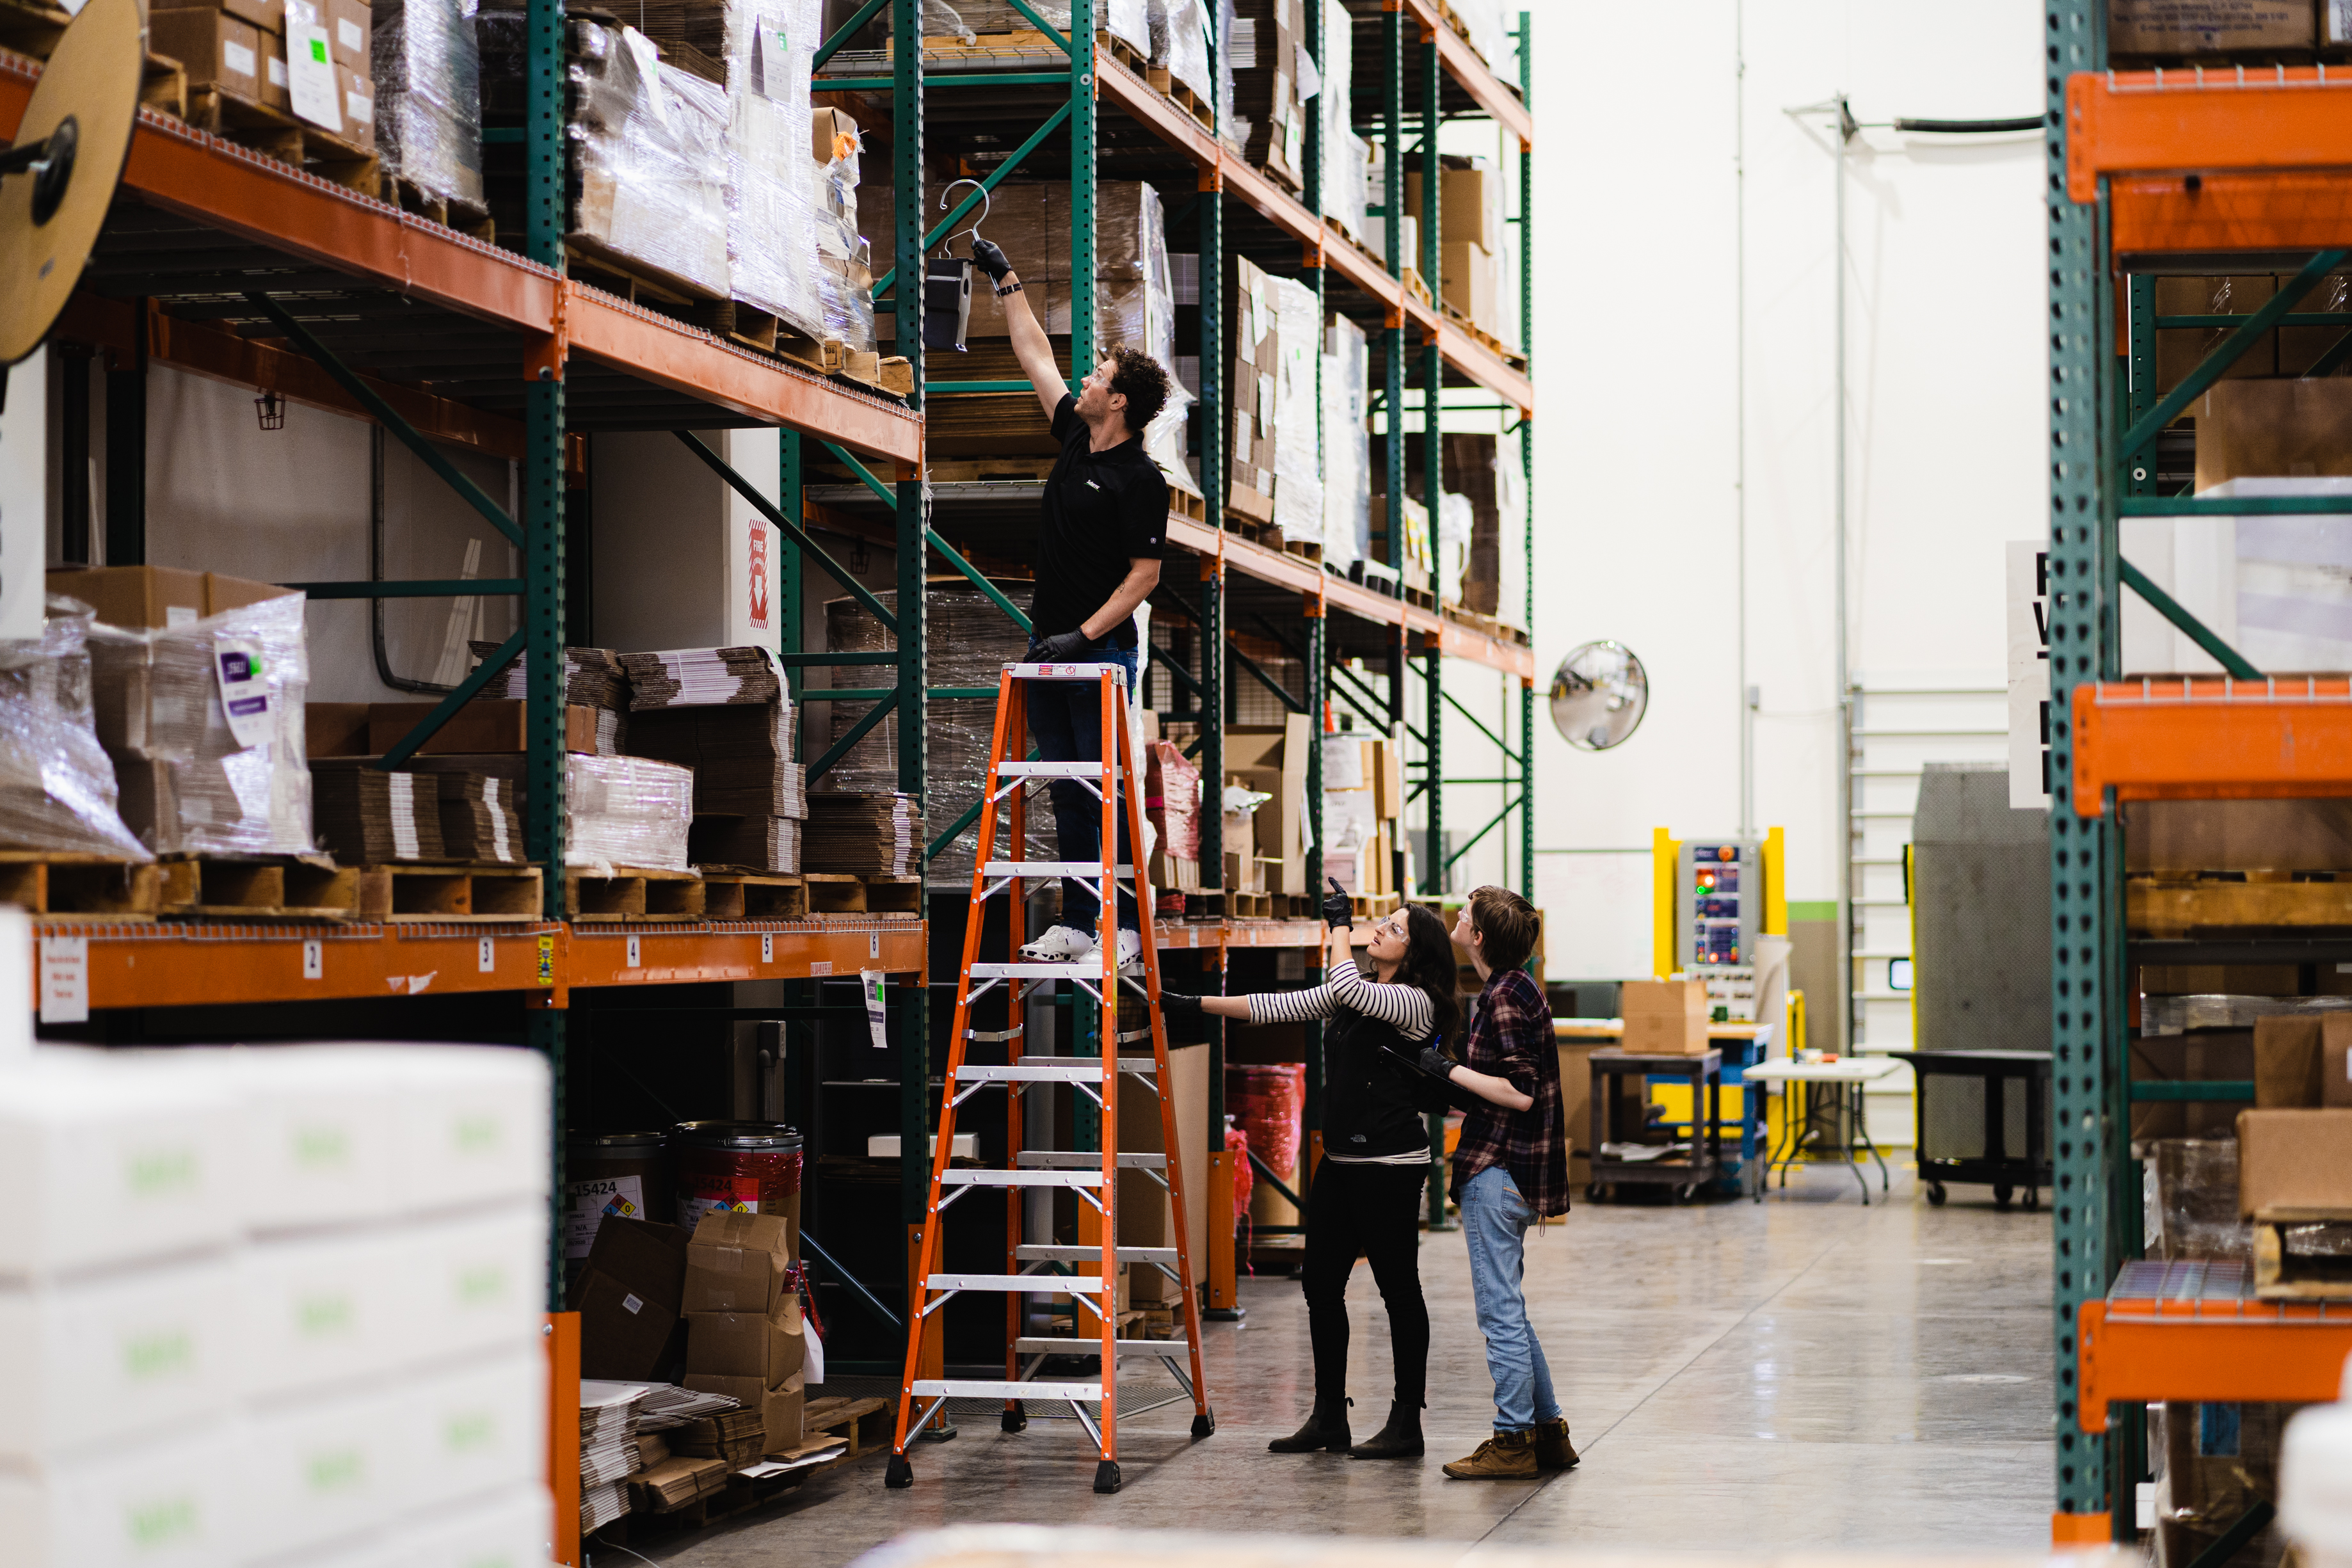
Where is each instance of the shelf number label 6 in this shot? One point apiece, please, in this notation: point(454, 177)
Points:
point(314, 960)
point(873, 945)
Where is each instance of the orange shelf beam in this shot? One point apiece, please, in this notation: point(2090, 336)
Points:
point(2212, 740)
point(648, 955)
point(2291, 210)
point(2183, 122)
point(2142, 1351)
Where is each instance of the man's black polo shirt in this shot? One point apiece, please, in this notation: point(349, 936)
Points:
point(1102, 510)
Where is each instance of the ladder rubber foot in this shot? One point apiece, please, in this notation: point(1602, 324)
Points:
point(1106, 1476)
point(899, 1475)
point(1016, 1419)
point(1204, 1424)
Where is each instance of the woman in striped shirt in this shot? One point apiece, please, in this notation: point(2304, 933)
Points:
point(1382, 1074)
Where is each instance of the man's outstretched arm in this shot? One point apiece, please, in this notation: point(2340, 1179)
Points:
point(1031, 346)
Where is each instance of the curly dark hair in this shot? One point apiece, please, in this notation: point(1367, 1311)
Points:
point(1429, 963)
point(1143, 382)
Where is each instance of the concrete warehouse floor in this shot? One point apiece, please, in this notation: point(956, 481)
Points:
point(1801, 1372)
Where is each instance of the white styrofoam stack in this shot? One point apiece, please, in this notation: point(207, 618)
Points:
point(2315, 1481)
point(273, 1305)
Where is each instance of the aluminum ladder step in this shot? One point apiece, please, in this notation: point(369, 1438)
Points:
point(975, 1388)
point(1142, 1065)
point(1081, 769)
point(1084, 871)
point(1037, 1070)
point(1042, 969)
point(1048, 1252)
point(954, 1178)
point(1019, 1284)
point(1117, 672)
point(1062, 1344)
point(1078, 1160)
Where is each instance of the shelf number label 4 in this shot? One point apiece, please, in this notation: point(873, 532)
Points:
point(486, 957)
point(768, 948)
point(314, 959)
point(634, 960)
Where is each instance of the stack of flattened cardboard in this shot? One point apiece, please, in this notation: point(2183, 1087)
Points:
point(745, 1336)
point(863, 836)
point(479, 820)
point(676, 1481)
point(690, 677)
point(627, 811)
point(592, 679)
point(749, 795)
point(608, 1450)
point(737, 1437)
point(365, 817)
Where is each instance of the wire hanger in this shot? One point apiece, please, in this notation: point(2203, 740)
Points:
point(986, 201)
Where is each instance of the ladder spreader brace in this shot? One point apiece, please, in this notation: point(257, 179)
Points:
point(1091, 1174)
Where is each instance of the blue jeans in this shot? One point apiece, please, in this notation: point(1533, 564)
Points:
point(1495, 1221)
point(1065, 720)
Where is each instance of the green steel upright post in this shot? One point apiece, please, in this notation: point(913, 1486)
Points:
point(1528, 463)
point(2086, 859)
point(1392, 227)
point(1433, 456)
point(2139, 467)
point(542, 522)
point(1085, 347)
point(1314, 678)
point(914, 729)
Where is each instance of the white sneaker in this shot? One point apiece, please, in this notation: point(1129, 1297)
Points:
point(1060, 945)
point(1130, 951)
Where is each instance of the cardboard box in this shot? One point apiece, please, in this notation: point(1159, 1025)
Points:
point(147, 596)
point(263, 15)
point(276, 84)
point(1469, 207)
point(2295, 1159)
point(628, 1297)
point(1282, 753)
point(1387, 774)
point(2222, 979)
point(219, 50)
point(770, 1346)
point(1470, 280)
point(2207, 27)
point(1146, 1216)
point(2254, 429)
point(826, 127)
point(2302, 1063)
point(2206, 1056)
point(487, 724)
point(335, 729)
point(348, 23)
point(358, 96)
point(1664, 1018)
point(736, 1263)
point(2191, 836)
point(781, 1409)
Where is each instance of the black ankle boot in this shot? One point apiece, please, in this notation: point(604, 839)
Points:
point(1325, 1428)
point(1399, 1439)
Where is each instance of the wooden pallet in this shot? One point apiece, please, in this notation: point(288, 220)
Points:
point(257, 888)
point(465, 894)
point(1371, 906)
point(753, 896)
point(639, 283)
point(411, 197)
point(2283, 1276)
point(1183, 503)
point(631, 893)
point(866, 1426)
point(277, 134)
point(1500, 630)
point(1166, 85)
point(1420, 597)
point(1419, 290)
point(985, 470)
point(1495, 345)
point(1306, 550)
point(2174, 909)
point(831, 893)
point(58, 885)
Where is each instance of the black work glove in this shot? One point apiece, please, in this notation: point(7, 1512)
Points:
point(1435, 1063)
point(1178, 1005)
point(1062, 647)
point(1339, 910)
point(989, 257)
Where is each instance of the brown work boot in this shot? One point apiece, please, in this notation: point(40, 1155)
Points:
point(1505, 1457)
point(1553, 1450)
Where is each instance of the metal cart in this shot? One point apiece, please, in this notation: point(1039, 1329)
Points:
point(1687, 1177)
point(1984, 1119)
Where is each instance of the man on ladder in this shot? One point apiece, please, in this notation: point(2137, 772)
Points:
point(1100, 543)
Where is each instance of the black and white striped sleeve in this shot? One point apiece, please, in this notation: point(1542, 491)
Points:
point(1405, 1006)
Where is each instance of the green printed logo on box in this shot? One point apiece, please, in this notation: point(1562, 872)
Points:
point(477, 1134)
point(157, 1173)
point(484, 1283)
point(159, 1355)
point(317, 1146)
point(162, 1521)
point(336, 1471)
point(318, 1315)
point(469, 1429)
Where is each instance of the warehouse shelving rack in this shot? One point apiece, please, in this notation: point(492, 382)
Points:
point(1087, 102)
point(2194, 171)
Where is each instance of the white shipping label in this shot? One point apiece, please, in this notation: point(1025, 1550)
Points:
point(310, 72)
point(2028, 674)
point(350, 35)
point(65, 980)
point(875, 1016)
point(277, 72)
point(648, 62)
point(244, 690)
point(238, 59)
point(361, 111)
point(592, 1201)
point(403, 814)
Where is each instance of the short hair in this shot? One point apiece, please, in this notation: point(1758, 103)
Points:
point(1506, 924)
point(1143, 382)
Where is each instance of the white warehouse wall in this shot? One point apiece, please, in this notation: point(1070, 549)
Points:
point(1639, 323)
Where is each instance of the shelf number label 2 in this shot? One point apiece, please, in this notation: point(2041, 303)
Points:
point(314, 959)
point(486, 956)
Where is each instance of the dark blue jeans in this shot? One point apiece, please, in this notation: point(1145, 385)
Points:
point(1066, 722)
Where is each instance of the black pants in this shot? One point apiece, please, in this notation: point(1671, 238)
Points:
point(1371, 1212)
point(1065, 720)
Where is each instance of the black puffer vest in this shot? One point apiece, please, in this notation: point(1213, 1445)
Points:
point(1374, 1103)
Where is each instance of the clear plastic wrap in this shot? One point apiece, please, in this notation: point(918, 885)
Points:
point(1180, 43)
point(845, 275)
point(187, 782)
point(1271, 73)
point(1482, 22)
point(650, 151)
point(1344, 152)
point(970, 642)
point(57, 783)
point(627, 811)
point(1347, 444)
point(428, 96)
point(771, 181)
point(1163, 440)
point(1297, 460)
point(2191, 1196)
point(873, 835)
point(1126, 20)
point(1457, 522)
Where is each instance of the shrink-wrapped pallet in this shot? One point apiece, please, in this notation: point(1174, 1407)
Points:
point(1346, 155)
point(1180, 43)
point(1274, 335)
point(57, 783)
point(627, 811)
point(1297, 456)
point(651, 158)
point(1347, 444)
point(193, 778)
point(844, 277)
point(772, 184)
point(969, 643)
point(1274, 75)
point(968, 21)
point(428, 96)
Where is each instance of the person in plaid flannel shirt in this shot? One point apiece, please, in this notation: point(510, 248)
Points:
point(1510, 1168)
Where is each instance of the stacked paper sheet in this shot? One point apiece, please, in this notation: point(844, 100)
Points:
point(684, 676)
point(365, 817)
point(608, 1436)
point(592, 677)
point(479, 820)
point(863, 836)
point(666, 1405)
